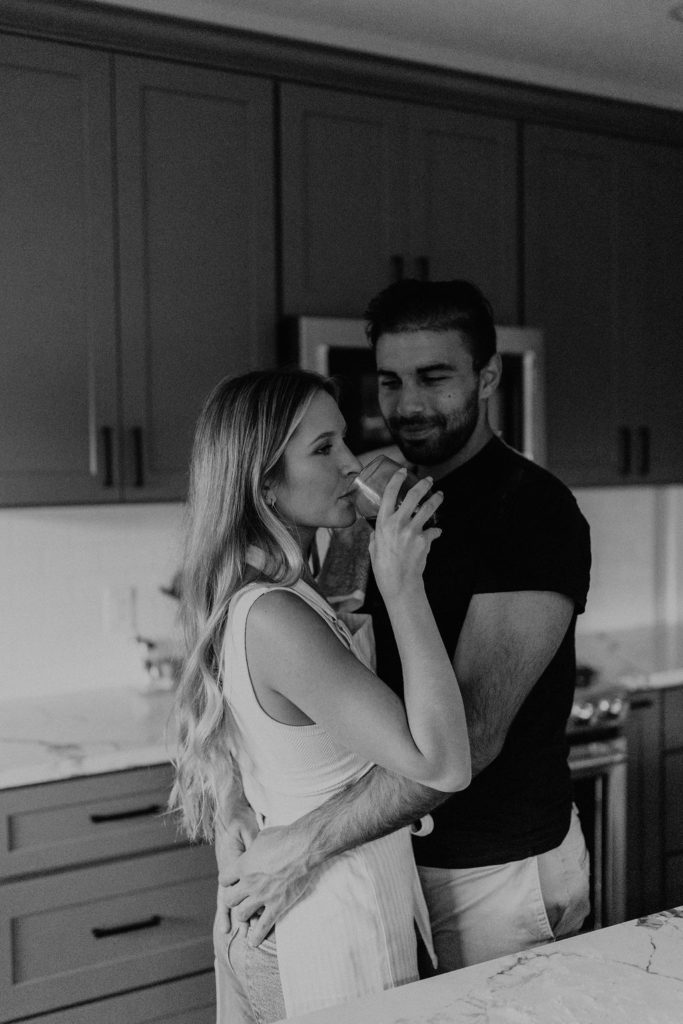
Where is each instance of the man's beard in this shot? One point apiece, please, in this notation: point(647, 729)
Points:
point(449, 435)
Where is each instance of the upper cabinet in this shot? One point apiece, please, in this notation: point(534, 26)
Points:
point(58, 379)
point(604, 249)
point(374, 190)
point(141, 268)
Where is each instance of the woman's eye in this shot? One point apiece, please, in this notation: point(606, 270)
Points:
point(324, 449)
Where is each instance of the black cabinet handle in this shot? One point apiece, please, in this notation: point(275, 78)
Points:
point(422, 268)
point(638, 705)
point(106, 434)
point(138, 459)
point(139, 812)
point(397, 268)
point(625, 452)
point(133, 926)
point(644, 447)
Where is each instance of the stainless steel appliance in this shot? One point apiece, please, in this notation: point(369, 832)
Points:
point(597, 760)
point(337, 347)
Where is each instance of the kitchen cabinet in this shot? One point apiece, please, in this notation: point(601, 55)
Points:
point(140, 269)
point(654, 848)
point(604, 246)
point(106, 914)
point(376, 189)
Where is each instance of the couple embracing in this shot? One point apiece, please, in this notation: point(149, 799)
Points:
point(379, 811)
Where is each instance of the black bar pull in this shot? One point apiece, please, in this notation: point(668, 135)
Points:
point(625, 453)
point(106, 434)
point(397, 268)
point(138, 460)
point(133, 926)
point(422, 268)
point(139, 812)
point(644, 447)
point(642, 702)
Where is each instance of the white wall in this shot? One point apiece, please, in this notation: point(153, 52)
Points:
point(64, 577)
point(64, 574)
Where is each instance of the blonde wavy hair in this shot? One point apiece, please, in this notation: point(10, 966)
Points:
point(240, 439)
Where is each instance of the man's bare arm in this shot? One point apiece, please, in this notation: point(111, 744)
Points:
point(282, 863)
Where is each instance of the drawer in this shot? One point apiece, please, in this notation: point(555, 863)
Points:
point(673, 718)
point(187, 1001)
point(673, 802)
point(60, 824)
point(80, 935)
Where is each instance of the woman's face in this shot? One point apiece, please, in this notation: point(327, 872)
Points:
point(318, 468)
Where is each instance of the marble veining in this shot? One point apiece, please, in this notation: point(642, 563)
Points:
point(649, 657)
point(43, 739)
point(627, 974)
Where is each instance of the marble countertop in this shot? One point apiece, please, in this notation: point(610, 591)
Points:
point(43, 739)
point(630, 973)
point(648, 657)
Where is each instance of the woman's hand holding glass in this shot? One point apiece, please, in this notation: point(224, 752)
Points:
point(401, 540)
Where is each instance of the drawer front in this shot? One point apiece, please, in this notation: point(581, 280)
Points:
point(61, 824)
point(187, 1001)
point(84, 934)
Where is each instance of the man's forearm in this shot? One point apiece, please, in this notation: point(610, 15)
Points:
point(379, 803)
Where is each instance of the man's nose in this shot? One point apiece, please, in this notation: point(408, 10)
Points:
point(409, 401)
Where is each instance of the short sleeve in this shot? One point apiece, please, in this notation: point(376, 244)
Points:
point(537, 539)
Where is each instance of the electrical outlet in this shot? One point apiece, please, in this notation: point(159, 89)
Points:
point(119, 611)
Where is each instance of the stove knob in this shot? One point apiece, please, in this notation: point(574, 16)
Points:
point(583, 712)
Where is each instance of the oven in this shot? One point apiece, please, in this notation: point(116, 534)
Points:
point(598, 765)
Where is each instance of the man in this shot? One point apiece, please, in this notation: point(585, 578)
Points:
point(505, 866)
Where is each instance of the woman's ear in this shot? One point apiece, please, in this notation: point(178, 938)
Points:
point(489, 376)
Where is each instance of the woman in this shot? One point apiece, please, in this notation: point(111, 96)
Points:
point(272, 681)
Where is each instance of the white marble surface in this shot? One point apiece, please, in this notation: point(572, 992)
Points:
point(629, 974)
point(86, 733)
point(644, 658)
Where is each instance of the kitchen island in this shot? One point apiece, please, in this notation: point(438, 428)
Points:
point(631, 973)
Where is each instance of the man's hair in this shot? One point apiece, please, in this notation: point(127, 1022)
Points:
point(411, 305)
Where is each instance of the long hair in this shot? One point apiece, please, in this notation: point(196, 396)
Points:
point(240, 439)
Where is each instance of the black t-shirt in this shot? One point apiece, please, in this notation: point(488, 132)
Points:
point(508, 525)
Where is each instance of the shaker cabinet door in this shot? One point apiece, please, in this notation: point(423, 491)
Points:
point(342, 233)
point(572, 219)
point(196, 250)
point(58, 391)
point(462, 202)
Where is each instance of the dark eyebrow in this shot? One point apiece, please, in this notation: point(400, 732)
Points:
point(430, 368)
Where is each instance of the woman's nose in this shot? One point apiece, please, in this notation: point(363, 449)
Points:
point(351, 465)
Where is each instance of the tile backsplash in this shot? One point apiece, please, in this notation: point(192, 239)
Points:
point(75, 583)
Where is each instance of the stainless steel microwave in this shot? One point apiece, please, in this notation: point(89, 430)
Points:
point(337, 347)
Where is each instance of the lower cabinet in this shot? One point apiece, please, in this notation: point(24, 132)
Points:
point(124, 935)
point(654, 848)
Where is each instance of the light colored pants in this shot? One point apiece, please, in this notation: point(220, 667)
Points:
point(481, 913)
point(248, 989)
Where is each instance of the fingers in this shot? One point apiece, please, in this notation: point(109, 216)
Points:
point(424, 512)
point(260, 928)
point(247, 909)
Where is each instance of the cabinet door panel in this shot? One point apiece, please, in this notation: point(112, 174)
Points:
point(341, 161)
point(572, 184)
point(462, 202)
point(57, 358)
point(652, 301)
point(187, 1001)
point(80, 935)
point(196, 185)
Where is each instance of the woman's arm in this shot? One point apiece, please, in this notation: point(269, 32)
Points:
point(292, 654)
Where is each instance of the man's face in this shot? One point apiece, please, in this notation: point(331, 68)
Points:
point(429, 394)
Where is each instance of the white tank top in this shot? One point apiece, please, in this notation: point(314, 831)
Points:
point(353, 934)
